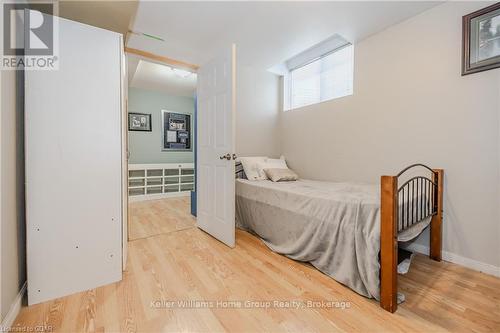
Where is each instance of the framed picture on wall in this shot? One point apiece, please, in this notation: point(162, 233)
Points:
point(481, 40)
point(176, 131)
point(139, 122)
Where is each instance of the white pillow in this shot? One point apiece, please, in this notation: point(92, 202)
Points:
point(252, 168)
point(270, 163)
point(280, 175)
point(274, 163)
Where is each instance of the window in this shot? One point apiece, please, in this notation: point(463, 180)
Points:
point(327, 77)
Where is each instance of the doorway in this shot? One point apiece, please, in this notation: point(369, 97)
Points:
point(161, 145)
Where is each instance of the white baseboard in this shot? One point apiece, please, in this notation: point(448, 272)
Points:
point(136, 198)
point(15, 307)
point(459, 260)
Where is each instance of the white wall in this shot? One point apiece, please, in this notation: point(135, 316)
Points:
point(12, 218)
point(257, 115)
point(13, 253)
point(146, 147)
point(411, 104)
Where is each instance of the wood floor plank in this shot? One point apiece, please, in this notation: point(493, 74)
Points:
point(173, 264)
point(155, 217)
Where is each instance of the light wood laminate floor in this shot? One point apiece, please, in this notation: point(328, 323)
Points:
point(190, 265)
point(155, 217)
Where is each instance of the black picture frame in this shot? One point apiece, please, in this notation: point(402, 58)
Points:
point(176, 131)
point(133, 118)
point(471, 40)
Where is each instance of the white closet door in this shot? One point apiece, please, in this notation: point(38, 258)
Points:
point(124, 110)
point(73, 132)
point(215, 147)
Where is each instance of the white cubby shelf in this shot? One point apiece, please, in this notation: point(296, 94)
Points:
point(157, 181)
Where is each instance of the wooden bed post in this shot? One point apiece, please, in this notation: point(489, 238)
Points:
point(437, 220)
point(388, 243)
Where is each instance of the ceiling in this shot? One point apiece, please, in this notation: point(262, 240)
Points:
point(157, 77)
point(266, 33)
point(110, 14)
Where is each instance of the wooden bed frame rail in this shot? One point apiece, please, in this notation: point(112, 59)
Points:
point(427, 203)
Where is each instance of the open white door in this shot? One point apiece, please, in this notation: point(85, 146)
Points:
point(215, 148)
point(74, 165)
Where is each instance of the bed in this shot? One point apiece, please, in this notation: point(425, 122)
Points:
point(348, 231)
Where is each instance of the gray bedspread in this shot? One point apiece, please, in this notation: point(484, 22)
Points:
point(334, 226)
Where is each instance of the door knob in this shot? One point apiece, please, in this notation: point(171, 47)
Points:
point(227, 156)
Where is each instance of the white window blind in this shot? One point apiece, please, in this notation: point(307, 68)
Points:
point(326, 78)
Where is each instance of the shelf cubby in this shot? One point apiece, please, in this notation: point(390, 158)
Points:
point(136, 173)
point(154, 181)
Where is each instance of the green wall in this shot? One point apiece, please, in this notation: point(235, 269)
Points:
point(145, 147)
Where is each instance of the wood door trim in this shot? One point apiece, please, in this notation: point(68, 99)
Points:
point(162, 59)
